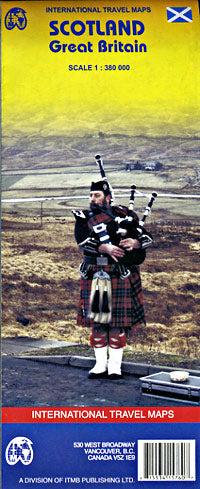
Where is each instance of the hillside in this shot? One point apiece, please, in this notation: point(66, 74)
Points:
point(41, 282)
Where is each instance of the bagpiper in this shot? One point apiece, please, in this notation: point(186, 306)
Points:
point(111, 299)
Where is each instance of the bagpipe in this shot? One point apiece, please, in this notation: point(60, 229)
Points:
point(129, 227)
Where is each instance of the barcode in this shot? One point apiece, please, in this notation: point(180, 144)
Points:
point(166, 460)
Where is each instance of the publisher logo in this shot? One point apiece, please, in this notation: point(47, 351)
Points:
point(179, 14)
point(16, 18)
point(20, 448)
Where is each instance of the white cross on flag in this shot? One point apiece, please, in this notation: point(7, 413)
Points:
point(179, 14)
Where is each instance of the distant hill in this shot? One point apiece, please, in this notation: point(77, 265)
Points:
point(36, 152)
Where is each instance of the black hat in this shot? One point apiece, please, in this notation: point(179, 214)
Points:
point(102, 185)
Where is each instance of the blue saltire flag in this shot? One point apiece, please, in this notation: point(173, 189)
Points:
point(179, 14)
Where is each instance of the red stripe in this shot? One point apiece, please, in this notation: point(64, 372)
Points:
point(101, 415)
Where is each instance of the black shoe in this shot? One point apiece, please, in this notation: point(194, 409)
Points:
point(115, 376)
point(102, 375)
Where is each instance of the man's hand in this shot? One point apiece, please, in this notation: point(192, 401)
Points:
point(129, 244)
point(114, 251)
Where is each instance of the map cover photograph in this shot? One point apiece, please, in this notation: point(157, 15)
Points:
point(100, 188)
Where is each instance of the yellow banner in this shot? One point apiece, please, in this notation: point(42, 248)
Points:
point(100, 65)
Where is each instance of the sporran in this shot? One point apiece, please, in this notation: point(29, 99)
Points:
point(101, 298)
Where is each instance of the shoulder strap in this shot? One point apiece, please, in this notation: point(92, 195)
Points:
point(78, 214)
point(98, 224)
point(100, 218)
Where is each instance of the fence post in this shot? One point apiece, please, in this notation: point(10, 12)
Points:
point(41, 213)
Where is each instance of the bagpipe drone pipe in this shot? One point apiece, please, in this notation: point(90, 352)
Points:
point(128, 227)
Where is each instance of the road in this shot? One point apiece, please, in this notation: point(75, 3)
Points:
point(32, 383)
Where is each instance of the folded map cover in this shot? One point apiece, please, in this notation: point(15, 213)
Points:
point(96, 90)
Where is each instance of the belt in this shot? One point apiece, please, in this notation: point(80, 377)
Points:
point(96, 260)
point(114, 268)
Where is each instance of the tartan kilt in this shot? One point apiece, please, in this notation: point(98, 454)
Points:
point(127, 301)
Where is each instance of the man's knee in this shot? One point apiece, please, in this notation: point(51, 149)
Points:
point(117, 338)
point(99, 337)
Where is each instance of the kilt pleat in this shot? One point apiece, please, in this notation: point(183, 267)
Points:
point(127, 301)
